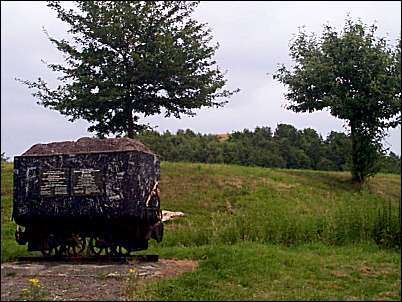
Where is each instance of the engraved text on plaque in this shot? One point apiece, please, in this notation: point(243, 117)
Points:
point(87, 182)
point(54, 183)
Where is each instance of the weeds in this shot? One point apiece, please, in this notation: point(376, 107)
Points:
point(387, 227)
point(35, 292)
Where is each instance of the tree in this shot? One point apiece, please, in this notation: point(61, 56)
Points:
point(129, 58)
point(339, 149)
point(357, 77)
point(289, 142)
point(312, 145)
point(391, 163)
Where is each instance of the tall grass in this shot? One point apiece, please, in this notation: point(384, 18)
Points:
point(284, 207)
point(269, 224)
point(387, 227)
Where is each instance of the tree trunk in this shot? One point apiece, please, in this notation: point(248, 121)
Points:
point(130, 123)
point(357, 174)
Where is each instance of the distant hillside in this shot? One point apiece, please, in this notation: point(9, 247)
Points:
point(222, 137)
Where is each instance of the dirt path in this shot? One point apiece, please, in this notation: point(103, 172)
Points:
point(88, 282)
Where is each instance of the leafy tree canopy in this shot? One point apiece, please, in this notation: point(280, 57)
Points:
point(356, 76)
point(262, 147)
point(129, 58)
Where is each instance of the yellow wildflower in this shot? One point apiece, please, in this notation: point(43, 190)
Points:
point(132, 270)
point(35, 282)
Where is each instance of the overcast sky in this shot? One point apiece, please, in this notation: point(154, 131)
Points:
point(253, 36)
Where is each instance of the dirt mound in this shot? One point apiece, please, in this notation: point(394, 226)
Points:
point(88, 145)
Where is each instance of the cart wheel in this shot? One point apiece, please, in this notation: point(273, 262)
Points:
point(123, 251)
point(99, 246)
point(48, 252)
point(75, 245)
point(49, 248)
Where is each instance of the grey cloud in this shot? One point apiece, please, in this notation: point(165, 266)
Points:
point(253, 37)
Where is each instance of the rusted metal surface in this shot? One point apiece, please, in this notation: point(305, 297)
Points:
point(109, 194)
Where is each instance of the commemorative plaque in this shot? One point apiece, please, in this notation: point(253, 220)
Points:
point(87, 182)
point(54, 183)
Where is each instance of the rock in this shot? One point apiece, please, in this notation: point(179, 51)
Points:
point(169, 215)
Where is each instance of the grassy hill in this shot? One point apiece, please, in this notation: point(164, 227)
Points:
point(268, 234)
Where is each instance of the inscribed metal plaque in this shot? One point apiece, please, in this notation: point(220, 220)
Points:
point(87, 182)
point(54, 183)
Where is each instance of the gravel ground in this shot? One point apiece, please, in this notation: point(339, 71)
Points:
point(84, 282)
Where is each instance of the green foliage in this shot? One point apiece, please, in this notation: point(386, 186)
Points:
point(357, 77)
point(287, 147)
point(338, 150)
point(390, 163)
point(129, 58)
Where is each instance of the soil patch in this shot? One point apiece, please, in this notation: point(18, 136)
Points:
point(85, 282)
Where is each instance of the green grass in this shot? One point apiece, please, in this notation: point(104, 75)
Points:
point(228, 204)
point(253, 271)
point(268, 234)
